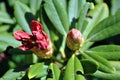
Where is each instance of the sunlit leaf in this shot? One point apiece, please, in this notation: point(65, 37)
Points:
point(107, 28)
point(20, 11)
point(74, 69)
point(54, 16)
point(74, 7)
point(61, 10)
point(94, 16)
point(35, 70)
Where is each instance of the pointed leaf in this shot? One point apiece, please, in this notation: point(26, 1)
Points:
point(74, 7)
point(104, 65)
point(53, 16)
point(61, 10)
point(19, 11)
point(110, 27)
point(35, 5)
point(74, 69)
point(82, 16)
point(55, 72)
point(35, 70)
point(107, 51)
point(96, 15)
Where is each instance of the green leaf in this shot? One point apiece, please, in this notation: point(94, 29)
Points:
point(115, 6)
point(74, 7)
point(5, 18)
point(4, 28)
point(74, 69)
point(104, 65)
point(107, 28)
point(95, 15)
point(35, 70)
point(106, 51)
point(43, 74)
point(35, 5)
point(2, 7)
point(8, 38)
point(89, 66)
point(107, 76)
point(82, 16)
point(20, 11)
point(3, 46)
point(54, 16)
point(61, 10)
point(11, 75)
point(55, 72)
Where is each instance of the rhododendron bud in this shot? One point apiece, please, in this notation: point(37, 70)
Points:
point(74, 39)
point(38, 42)
point(44, 53)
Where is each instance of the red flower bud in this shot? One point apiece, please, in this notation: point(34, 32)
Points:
point(74, 39)
point(38, 42)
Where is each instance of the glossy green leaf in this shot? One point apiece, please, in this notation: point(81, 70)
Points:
point(107, 76)
point(43, 74)
point(35, 5)
point(74, 7)
point(20, 12)
point(54, 16)
point(107, 28)
point(5, 18)
point(54, 71)
point(94, 16)
point(82, 16)
point(61, 10)
point(89, 66)
point(104, 65)
point(74, 69)
point(35, 70)
point(106, 51)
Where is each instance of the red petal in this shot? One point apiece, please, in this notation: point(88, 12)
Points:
point(35, 26)
point(21, 36)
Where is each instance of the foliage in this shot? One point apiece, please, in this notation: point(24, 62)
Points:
point(97, 21)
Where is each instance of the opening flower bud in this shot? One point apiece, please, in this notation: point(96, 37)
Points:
point(38, 42)
point(74, 39)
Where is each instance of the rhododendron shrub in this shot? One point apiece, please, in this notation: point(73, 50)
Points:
point(59, 40)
